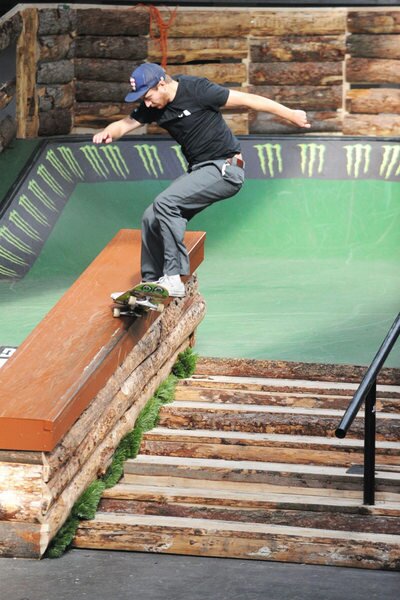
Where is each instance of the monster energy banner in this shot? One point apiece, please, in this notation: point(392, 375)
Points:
point(38, 200)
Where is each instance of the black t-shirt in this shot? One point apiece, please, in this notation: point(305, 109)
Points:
point(194, 120)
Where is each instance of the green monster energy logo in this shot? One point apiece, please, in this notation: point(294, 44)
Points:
point(11, 257)
point(270, 155)
point(358, 156)
point(309, 155)
point(7, 272)
point(14, 240)
point(71, 161)
point(58, 165)
point(391, 158)
point(50, 181)
point(35, 188)
point(113, 156)
point(24, 226)
point(32, 210)
point(150, 159)
point(182, 160)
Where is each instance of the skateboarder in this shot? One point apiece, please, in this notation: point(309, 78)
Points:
point(189, 109)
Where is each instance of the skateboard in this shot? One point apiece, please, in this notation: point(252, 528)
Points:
point(139, 300)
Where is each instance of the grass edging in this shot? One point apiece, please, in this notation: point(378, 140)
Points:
point(86, 506)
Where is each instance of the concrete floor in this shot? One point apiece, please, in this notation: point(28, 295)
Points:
point(98, 575)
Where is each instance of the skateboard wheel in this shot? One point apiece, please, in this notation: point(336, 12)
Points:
point(160, 308)
point(132, 301)
point(116, 312)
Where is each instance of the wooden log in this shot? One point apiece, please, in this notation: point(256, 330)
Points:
point(121, 47)
point(373, 101)
point(60, 71)
point(8, 130)
point(55, 122)
point(207, 24)
point(101, 69)
point(57, 21)
point(104, 22)
point(224, 73)
point(298, 22)
point(56, 47)
point(98, 91)
point(365, 21)
point(296, 73)
point(27, 103)
point(10, 30)
point(184, 50)
point(21, 540)
point(298, 48)
point(382, 125)
point(57, 96)
point(7, 93)
point(306, 97)
point(367, 70)
point(374, 46)
point(99, 114)
point(321, 121)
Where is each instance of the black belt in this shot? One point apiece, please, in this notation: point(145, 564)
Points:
point(235, 160)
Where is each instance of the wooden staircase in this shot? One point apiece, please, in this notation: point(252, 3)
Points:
point(249, 467)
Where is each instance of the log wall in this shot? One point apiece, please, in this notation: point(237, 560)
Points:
point(340, 65)
point(10, 30)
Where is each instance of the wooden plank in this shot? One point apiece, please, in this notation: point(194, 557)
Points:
point(288, 515)
point(122, 47)
point(297, 22)
point(297, 48)
point(221, 394)
point(321, 121)
point(367, 70)
point(369, 21)
point(256, 541)
point(184, 50)
point(207, 24)
point(247, 367)
point(380, 125)
point(39, 419)
point(280, 474)
point(296, 73)
point(374, 46)
point(373, 101)
point(27, 102)
point(113, 21)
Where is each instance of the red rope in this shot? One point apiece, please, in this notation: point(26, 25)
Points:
point(163, 27)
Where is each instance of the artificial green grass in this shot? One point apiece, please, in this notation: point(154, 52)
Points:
point(86, 506)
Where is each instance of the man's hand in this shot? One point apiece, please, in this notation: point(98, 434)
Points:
point(299, 118)
point(102, 138)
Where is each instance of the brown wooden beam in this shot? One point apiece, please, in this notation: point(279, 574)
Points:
point(27, 53)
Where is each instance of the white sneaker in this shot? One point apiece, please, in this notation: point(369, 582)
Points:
point(173, 284)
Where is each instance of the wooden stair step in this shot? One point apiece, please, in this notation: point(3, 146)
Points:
point(260, 472)
point(265, 384)
point(281, 509)
point(206, 537)
point(233, 445)
point(219, 394)
point(270, 419)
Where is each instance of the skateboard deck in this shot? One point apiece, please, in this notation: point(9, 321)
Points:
point(139, 300)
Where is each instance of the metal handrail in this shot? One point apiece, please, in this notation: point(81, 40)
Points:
point(367, 391)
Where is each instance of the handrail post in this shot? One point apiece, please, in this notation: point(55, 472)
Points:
point(369, 445)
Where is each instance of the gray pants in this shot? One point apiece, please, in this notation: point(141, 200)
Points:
point(164, 222)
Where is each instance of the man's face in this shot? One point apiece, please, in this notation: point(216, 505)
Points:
point(156, 97)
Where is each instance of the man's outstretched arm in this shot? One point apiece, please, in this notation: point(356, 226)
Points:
point(260, 104)
point(116, 130)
